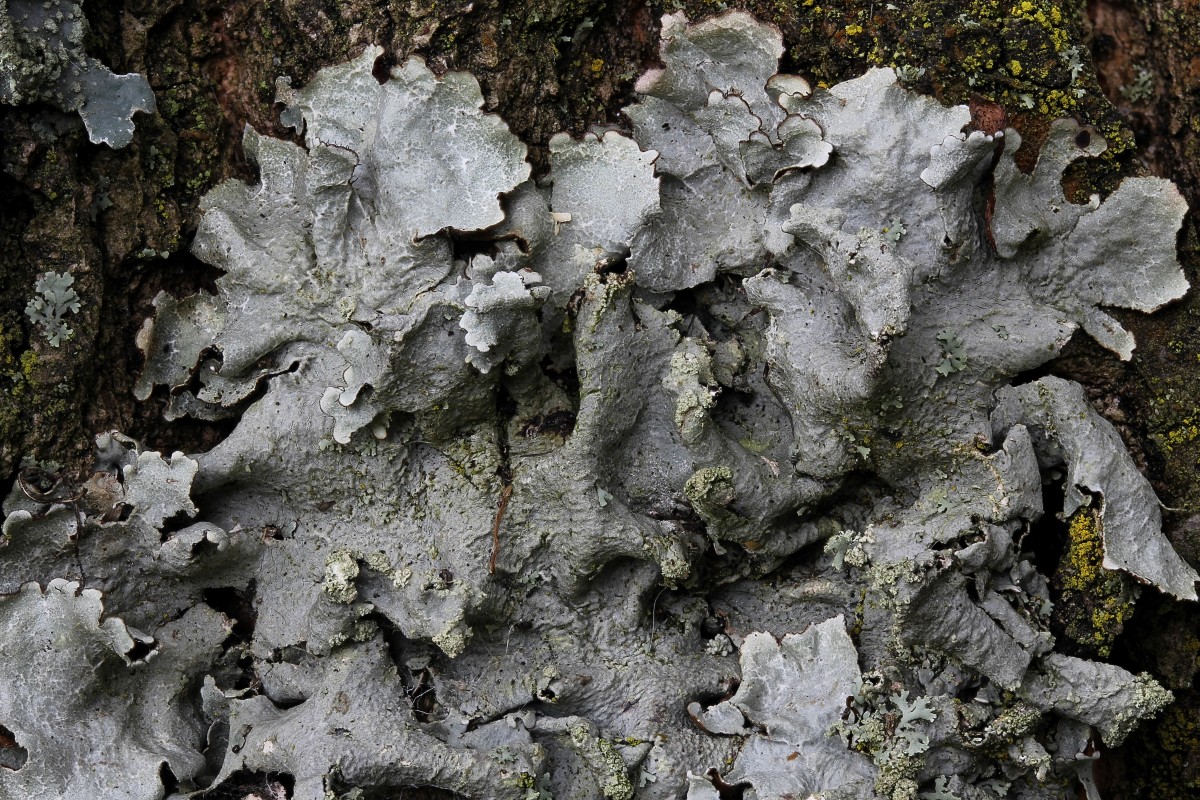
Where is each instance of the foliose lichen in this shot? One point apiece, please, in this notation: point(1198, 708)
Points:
point(535, 467)
point(54, 299)
point(42, 59)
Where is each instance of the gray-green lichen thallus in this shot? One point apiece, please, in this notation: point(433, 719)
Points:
point(703, 461)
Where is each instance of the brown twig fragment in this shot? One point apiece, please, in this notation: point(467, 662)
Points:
point(505, 493)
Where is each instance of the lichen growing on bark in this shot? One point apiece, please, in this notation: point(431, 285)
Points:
point(42, 59)
point(512, 455)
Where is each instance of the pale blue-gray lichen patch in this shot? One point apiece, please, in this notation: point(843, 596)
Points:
point(42, 59)
point(553, 452)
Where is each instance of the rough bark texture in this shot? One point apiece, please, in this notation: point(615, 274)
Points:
point(121, 221)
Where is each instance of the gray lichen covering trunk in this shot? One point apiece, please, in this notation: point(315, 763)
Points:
point(700, 462)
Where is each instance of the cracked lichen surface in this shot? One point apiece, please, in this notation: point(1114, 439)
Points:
point(510, 457)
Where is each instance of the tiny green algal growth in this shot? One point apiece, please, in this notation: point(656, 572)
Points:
point(528, 480)
point(1094, 603)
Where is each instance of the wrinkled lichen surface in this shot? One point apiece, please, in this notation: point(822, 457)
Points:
point(709, 459)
